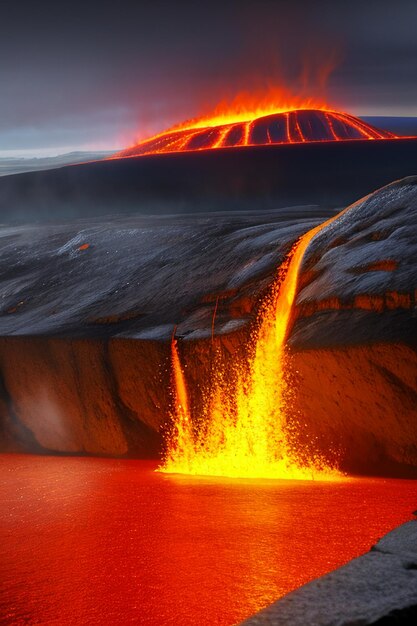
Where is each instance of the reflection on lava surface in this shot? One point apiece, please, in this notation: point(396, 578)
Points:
point(100, 541)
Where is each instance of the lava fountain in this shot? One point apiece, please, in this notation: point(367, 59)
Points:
point(244, 431)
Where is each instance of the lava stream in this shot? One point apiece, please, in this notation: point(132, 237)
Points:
point(245, 432)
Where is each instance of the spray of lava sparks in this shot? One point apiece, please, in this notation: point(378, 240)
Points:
point(245, 431)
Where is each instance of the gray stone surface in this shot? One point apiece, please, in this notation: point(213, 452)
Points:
point(379, 587)
point(360, 273)
point(140, 276)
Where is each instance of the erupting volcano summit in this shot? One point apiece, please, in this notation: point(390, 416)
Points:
point(295, 126)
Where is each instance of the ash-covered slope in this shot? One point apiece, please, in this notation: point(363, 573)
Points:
point(139, 276)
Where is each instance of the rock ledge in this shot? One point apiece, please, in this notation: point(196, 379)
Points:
point(379, 587)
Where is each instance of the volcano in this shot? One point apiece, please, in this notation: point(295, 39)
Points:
point(302, 153)
point(297, 126)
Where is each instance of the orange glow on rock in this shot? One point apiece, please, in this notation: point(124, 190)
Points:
point(244, 431)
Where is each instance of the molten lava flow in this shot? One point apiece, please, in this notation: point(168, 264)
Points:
point(244, 430)
point(179, 442)
point(296, 122)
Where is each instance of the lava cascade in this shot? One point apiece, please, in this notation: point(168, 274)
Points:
point(292, 126)
point(244, 431)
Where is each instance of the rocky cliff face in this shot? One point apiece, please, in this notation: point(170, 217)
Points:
point(89, 309)
point(359, 276)
point(354, 341)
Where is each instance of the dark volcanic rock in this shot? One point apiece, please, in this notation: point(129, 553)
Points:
point(88, 310)
point(379, 588)
point(140, 276)
point(359, 275)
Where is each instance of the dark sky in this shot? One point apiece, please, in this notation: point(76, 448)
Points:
point(97, 74)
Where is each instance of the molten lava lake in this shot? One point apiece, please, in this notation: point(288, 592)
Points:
point(100, 541)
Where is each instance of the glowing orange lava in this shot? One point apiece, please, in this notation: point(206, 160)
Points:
point(247, 107)
point(279, 119)
point(245, 431)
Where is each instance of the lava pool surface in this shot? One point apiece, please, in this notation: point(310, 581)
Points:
point(100, 541)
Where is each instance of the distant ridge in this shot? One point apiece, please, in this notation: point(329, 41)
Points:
point(18, 165)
